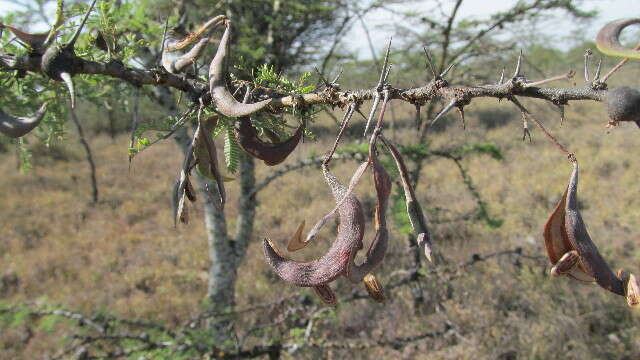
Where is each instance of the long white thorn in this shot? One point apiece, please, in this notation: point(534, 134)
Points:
point(66, 77)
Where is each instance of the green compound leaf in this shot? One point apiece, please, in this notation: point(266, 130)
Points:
point(231, 151)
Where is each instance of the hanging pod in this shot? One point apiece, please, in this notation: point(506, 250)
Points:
point(339, 259)
point(15, 127)
point(224, 101)
point(60, 62)
point(319, 273)
point(271, 153)
point(573, 253)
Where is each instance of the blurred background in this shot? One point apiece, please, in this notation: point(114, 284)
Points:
point(92, 266)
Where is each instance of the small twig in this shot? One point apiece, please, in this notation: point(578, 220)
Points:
point(568, 76)
point(617, 67)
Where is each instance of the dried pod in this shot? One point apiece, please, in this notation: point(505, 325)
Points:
point(557, 244)
point(608, 39)
point(180, 44)
point(339, 256)
point(60, 62)
point(271, 153)
point(176, 61)
point(623, 104)
point(566, 232)
point(206, 156)
point(19, 126)
point(201, 152)
point(378, 248)
point(224, 101)
point(414, 210)
point(631, 287)
point(374, 288)
point(34, 41)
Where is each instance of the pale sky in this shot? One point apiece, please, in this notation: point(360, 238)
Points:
point(479, 9)
point(609, 10)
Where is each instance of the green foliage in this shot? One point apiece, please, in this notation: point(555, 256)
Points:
point(483, 148)
point(231, 151)
point(266, 75)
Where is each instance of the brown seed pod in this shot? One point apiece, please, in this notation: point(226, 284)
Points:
point(339, 256)
point(224, 101)
point(181, 43)
point(34, 41)
point(378, 248)
point(566, 235)
point(173, 59)
point(414, 210)
point(206, 156)
point(15, 127)
point(623, 104)
point(271, 153)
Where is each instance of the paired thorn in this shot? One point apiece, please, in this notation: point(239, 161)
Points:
point(429, 62)
point(516, 73)
point(446, 109)
point(384, 75)
point(587, 55)
point(596, 76)
point(446, 71)
point(501, 77)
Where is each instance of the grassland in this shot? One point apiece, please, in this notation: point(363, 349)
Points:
point(124, 257)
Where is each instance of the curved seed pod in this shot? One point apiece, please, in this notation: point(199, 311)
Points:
point(608, 39)
point(271, 153)
point(414, 210)
point(183, 188)
point(225, 103)
point(579, 239)
point(374, 288)
point(59, 62)
point(558, 246)
point(378, 247)
point(19, 126)
point(206, 156)
point(352, 184)
point(339, 256)
point(34, 41)
point(177, 62)
point(179, 44)
point(623, 104)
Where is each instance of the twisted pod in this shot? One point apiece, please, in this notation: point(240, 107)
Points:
point(173, 59)
point(573, 253)
point(15, 127)
point(224, 101)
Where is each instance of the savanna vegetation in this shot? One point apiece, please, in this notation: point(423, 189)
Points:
point(97, 260)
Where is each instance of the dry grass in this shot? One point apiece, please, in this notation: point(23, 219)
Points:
point(123, 255)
